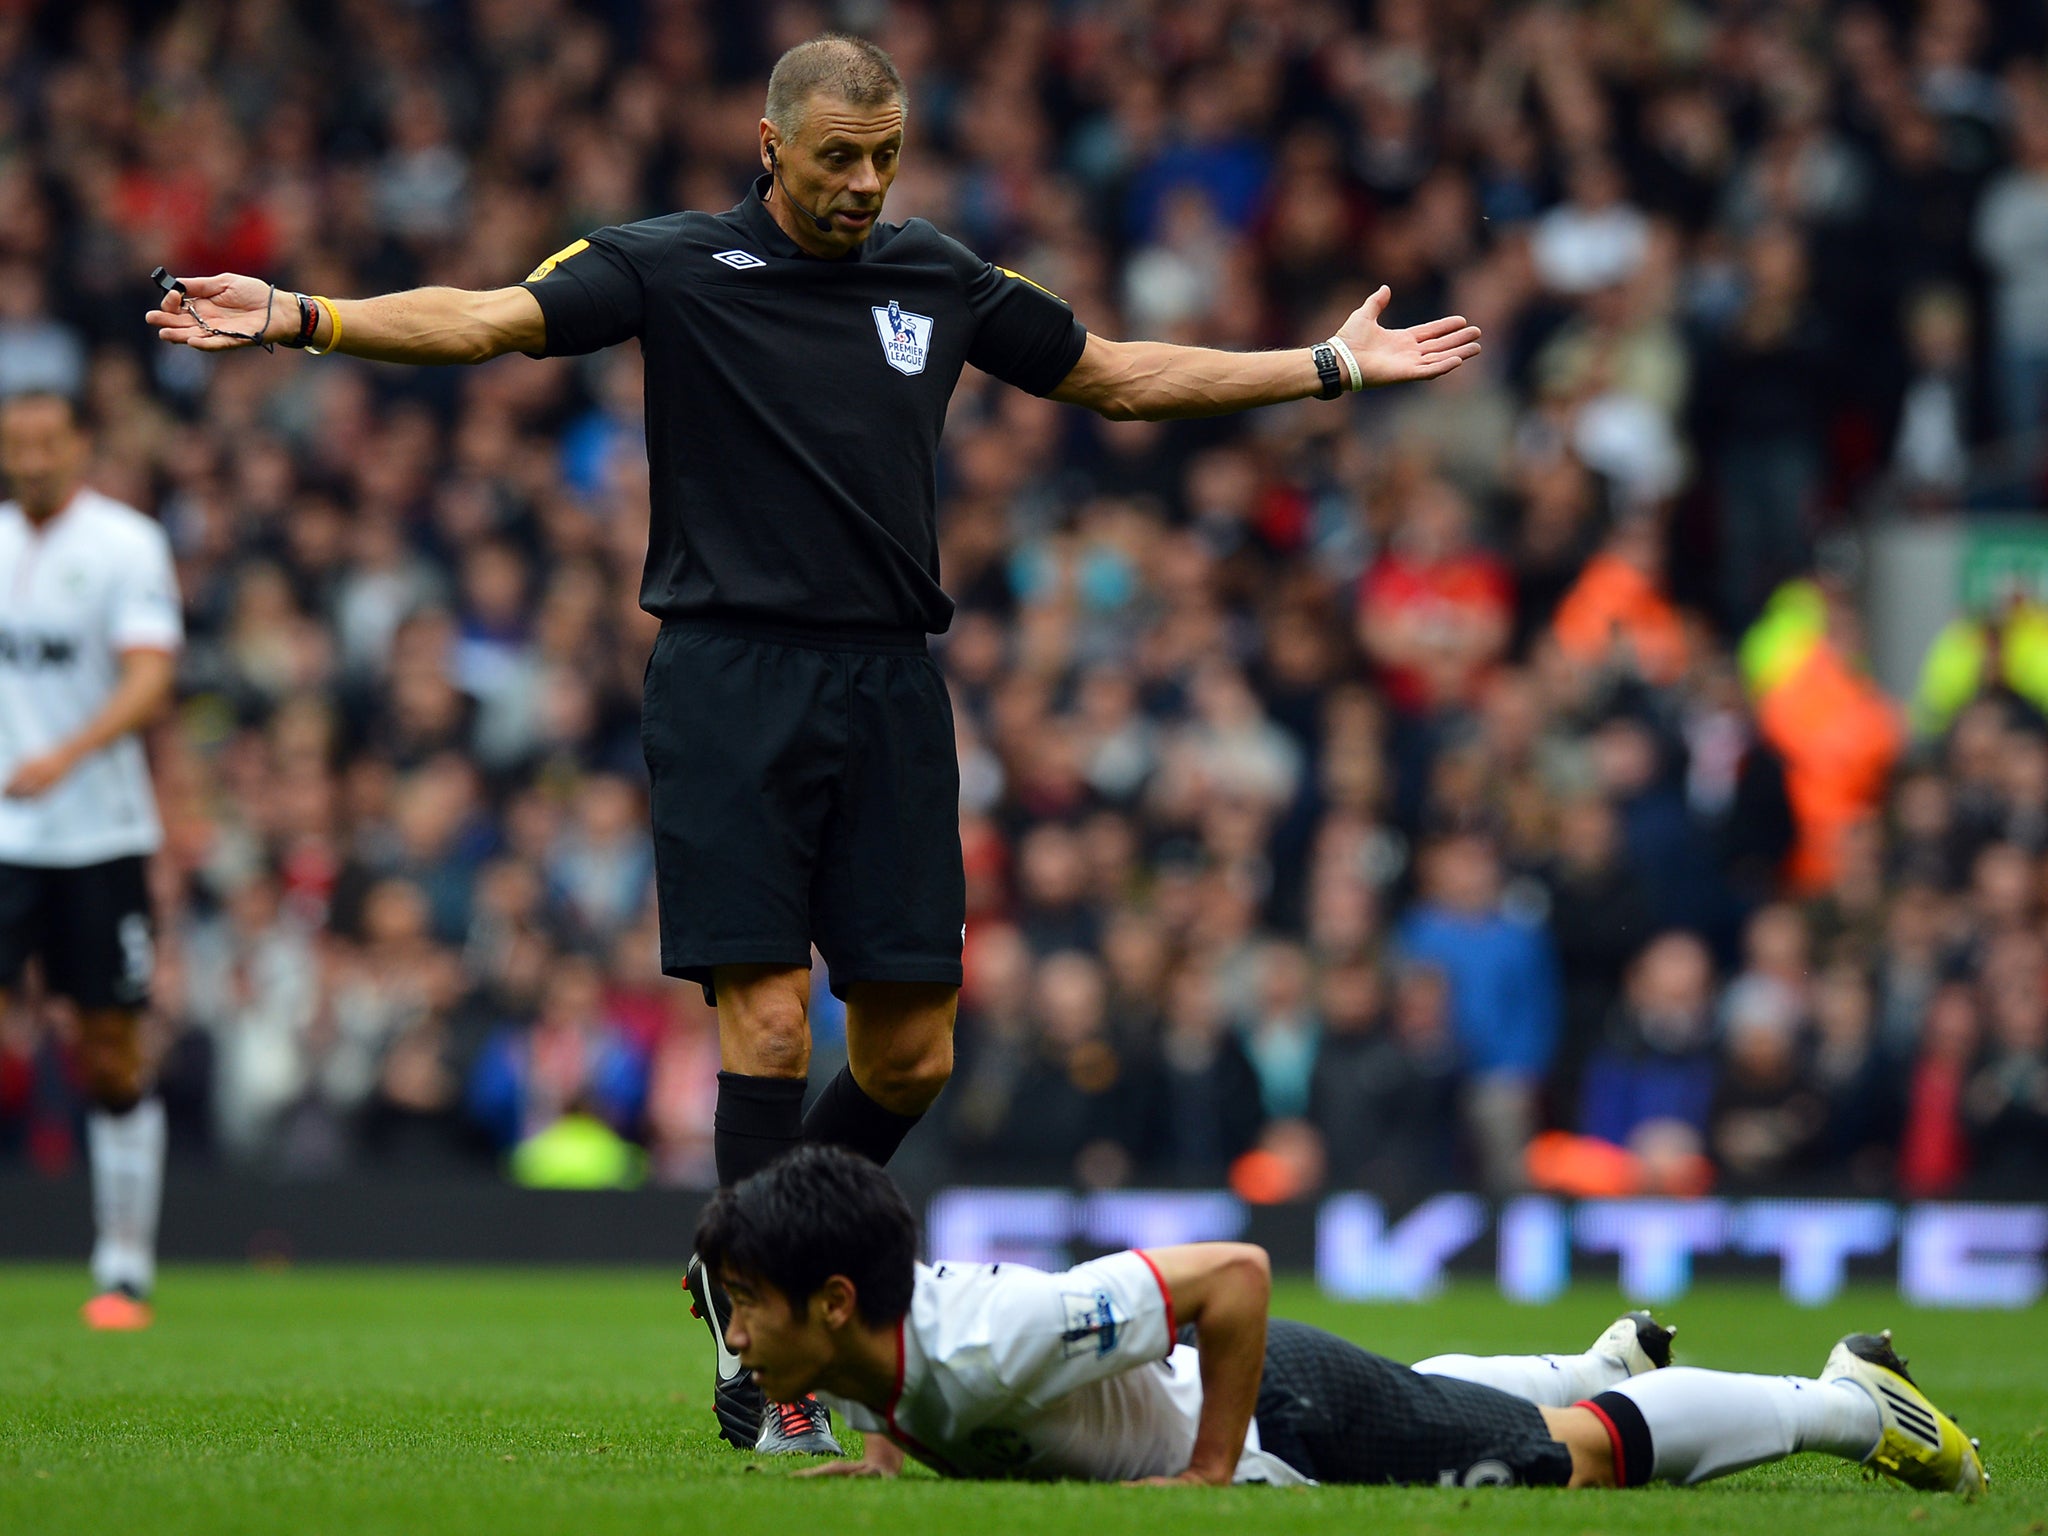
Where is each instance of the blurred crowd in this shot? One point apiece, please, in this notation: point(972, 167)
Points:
point(1478, 784)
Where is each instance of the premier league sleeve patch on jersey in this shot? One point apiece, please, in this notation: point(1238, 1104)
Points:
point(906, 338)
point(1094, 1324)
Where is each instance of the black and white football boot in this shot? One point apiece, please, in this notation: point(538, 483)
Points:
point(734, 1397)
point(1638, 1341)
point(747, 1421)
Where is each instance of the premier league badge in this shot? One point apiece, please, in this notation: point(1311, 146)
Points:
point(906, 338)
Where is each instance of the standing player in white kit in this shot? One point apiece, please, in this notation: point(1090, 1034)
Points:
point(90, 629)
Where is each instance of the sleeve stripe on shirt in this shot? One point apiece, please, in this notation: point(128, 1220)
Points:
point(1007, 272)
point(1166, 1295)
point(562, 255)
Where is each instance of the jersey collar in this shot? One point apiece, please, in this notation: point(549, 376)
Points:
point(755, 218)
point(44, 530)
point(905, 1339)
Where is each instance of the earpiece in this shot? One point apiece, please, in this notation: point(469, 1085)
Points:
point(822, 225)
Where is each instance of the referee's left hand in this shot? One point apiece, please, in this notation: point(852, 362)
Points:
point(39, 775)
point(1426, 351)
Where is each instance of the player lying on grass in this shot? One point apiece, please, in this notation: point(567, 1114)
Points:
point(1001, 1370)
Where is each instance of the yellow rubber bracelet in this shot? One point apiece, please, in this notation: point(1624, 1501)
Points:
point(333, 319)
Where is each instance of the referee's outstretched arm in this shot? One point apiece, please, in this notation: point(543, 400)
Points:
point(1124, 380)
point(1154, 380)
point(421, 325)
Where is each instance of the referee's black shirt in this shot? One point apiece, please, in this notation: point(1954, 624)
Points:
point(794, 404)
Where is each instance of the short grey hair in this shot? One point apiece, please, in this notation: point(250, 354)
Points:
point(851, 69)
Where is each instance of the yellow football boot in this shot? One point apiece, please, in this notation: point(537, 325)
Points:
point(1920, 1445)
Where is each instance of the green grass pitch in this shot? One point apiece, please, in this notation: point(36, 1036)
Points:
point(361, 1402)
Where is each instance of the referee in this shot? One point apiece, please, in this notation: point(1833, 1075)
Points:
point(800, 354)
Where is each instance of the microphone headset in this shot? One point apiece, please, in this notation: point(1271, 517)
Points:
point(823, 225)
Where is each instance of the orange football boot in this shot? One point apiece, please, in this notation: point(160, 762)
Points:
point(116, 1312)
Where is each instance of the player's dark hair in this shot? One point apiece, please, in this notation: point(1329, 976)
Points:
point(851, 69)
point(813, 1213)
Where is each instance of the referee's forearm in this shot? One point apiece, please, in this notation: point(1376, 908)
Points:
point(1162, 382)
point(435, 325)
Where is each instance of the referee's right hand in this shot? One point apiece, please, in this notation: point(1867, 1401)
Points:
point(228, 302)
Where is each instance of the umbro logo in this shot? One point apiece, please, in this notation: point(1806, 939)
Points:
point(739, 261)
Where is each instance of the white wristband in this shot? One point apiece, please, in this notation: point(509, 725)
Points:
point(1350, 361)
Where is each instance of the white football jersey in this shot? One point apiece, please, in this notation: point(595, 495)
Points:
point(92, 582)
point(1004, 1371)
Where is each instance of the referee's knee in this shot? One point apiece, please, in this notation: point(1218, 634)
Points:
point(906, 1082)
point(772, 1042)
point(763, 1019)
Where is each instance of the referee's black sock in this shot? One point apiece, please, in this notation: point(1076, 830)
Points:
point(758, 1119)
point(846, 1117)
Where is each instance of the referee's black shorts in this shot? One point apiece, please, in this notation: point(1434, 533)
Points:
point(805, 789)
point(89, 925)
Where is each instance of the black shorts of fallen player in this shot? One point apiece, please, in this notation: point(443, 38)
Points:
point(805, 789)
point(1341, 1414)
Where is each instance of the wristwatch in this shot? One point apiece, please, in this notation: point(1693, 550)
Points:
point(1328, 370)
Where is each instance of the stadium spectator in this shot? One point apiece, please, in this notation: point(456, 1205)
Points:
point(1386, 1084)
point(1282, 1030)
point(39, 354)
point(2012, 239)
point(1839, 737)
point(1937, 408)
point(1594, 239)
point(2006, 1103)
point(250, 973)
point(1434, 610)
point(1209, 1108)
point(1502, 974)
point(1081, 1107)
point(1972, 653)
point(1616, 616)
point(1934, 1144)
point(601, 865)
point(572, 1059)
point(1599, 922)
point(1855, 1080)
point(1761, 426)
point(1656, 1066)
